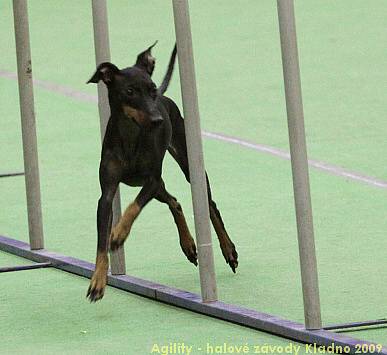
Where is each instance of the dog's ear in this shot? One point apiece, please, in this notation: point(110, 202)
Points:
point(105, 72)
point(145, 60)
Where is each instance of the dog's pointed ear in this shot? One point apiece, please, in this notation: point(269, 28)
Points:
point(145, 60)
point(105, 72)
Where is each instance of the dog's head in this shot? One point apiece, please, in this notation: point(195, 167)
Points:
point(131, 90)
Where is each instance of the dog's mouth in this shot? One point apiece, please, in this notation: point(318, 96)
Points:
point(141, 118)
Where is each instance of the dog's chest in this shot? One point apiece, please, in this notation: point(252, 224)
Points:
point(140, 155)
point(138, 168)
point(140, 150)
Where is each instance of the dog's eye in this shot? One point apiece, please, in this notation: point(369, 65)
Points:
point(130, 92)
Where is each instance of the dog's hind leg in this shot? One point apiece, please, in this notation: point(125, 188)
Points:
point(227, 246)
point(178, 150)
point(186, 241)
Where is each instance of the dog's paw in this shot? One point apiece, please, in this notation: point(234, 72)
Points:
point(118, 236)
point(97, 287)
point(233, 261)
point(231, 256)
point(189, 249)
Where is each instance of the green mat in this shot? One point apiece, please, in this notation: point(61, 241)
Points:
point(240, 94)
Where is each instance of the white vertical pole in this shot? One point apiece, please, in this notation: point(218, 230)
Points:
point(102, 54)
point(27, 111)
point(299, 162)
point(195, 151)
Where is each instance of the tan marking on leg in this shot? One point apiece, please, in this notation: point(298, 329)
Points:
point(121, 230)
point(182, 227)
point(218, 226)
point(98, 281)
point(179, 218)
point(226, 245)
point(186, 241)
point(137, 115)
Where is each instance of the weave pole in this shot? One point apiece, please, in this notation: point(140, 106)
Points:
point(195, 150)
point(299, 162)
point(27, 112)
point(102, 54)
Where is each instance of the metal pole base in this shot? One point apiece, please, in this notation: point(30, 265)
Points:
point(367, 323)
point(25, 267)
point(11, 174)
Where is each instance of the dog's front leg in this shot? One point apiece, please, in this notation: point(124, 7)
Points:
point(122, 229)
point(104, 214)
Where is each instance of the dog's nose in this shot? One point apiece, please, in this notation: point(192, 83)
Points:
point(156, 120)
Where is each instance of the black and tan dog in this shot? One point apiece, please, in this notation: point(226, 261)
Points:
point(143, 125)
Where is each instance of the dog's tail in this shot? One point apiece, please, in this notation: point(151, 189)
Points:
point(168, 75)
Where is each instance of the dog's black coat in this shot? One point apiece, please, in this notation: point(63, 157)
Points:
point(144, 124)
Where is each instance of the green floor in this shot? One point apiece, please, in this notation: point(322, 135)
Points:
point(46, 313)
point(241, 94)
